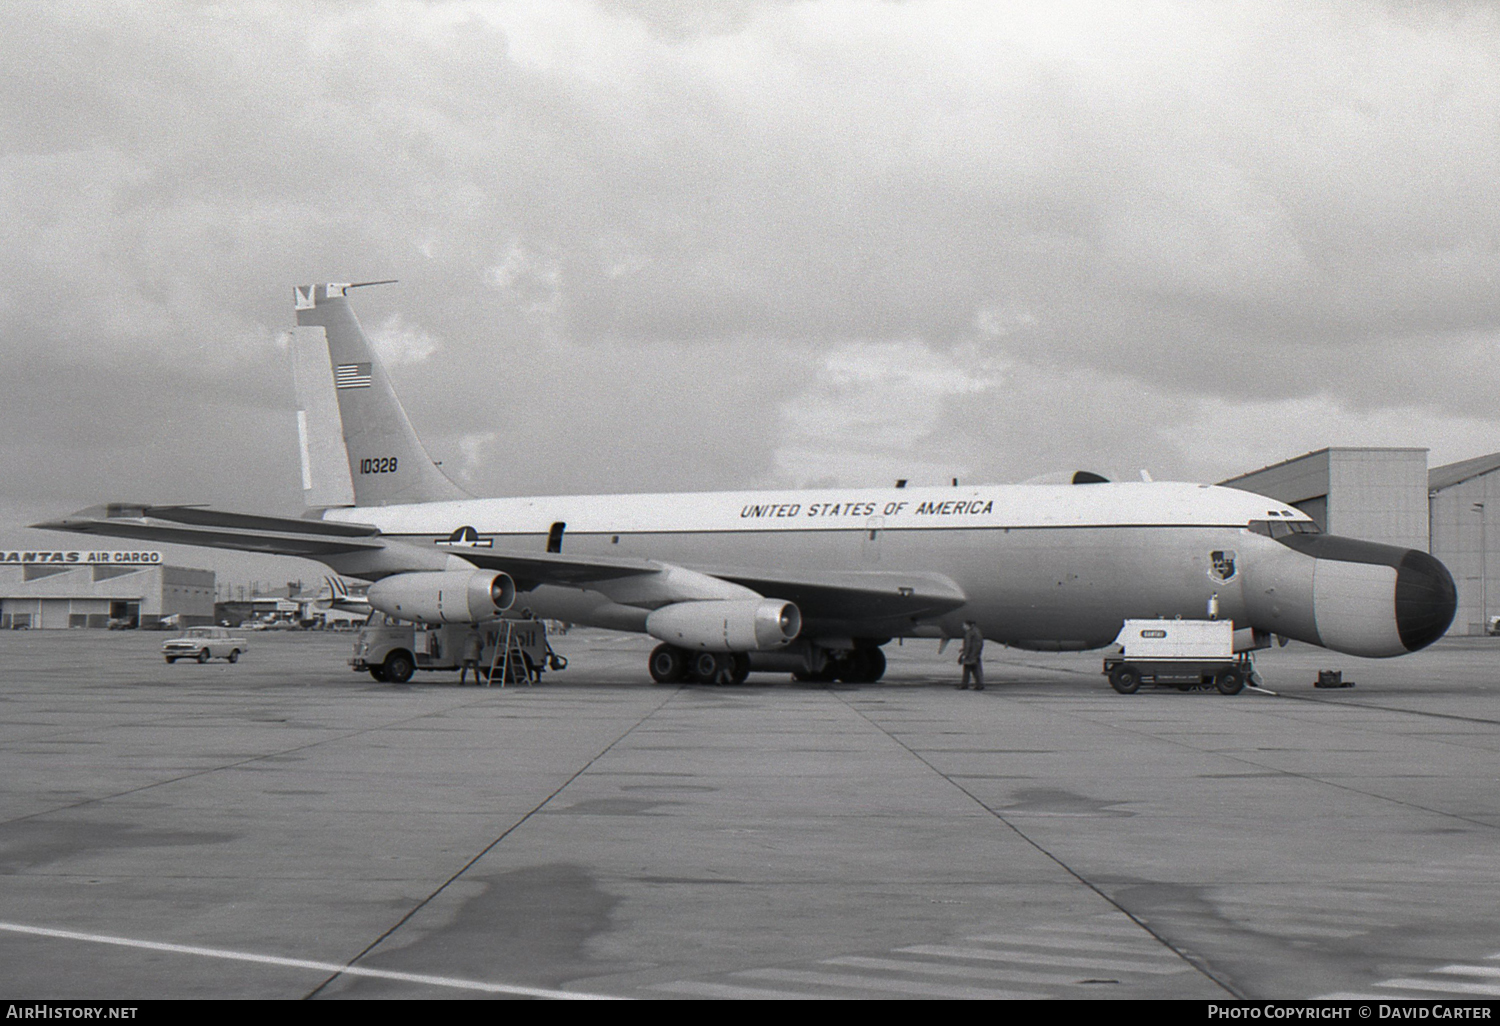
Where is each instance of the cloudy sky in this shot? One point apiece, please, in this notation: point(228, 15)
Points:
point(671, 245)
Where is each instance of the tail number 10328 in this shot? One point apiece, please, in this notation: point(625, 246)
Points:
point(378, 465)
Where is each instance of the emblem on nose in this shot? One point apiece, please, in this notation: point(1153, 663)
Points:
point(1222, 565)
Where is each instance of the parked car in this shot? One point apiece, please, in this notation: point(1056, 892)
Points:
point(205, 643)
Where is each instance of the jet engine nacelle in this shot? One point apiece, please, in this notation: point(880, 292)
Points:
point(729, 625)
point(444, 596)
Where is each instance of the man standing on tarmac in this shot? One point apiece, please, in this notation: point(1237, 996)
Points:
point(472, 648)
point(969, 657)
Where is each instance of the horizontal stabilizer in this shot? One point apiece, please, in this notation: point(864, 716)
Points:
point(325, 459)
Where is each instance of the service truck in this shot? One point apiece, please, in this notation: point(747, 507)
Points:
point(393, 650)
point(1188, 653)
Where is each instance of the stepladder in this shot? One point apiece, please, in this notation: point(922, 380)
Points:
point(510, 662)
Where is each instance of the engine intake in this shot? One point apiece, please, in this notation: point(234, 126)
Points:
point(444, 596)
point(730, 625)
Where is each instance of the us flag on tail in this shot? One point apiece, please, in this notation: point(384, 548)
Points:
point(351, 375)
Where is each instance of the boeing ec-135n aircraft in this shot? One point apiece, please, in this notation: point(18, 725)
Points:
point(810, 582)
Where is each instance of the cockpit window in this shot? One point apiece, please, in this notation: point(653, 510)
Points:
point(1282, 528)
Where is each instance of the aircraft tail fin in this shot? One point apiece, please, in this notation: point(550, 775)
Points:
point(386, 462)
point(327, 595)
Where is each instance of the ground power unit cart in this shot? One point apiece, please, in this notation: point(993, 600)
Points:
point(1187, 653)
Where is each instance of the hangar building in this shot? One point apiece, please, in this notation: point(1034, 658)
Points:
point(1379, 495)
point(1390, 496)
point(50, 592)
point(1462, 509)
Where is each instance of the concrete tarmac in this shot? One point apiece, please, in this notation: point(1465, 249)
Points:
point(285, 828)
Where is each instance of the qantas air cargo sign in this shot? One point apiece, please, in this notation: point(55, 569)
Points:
point(19, 557)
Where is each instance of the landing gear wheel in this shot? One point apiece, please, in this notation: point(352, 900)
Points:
point(837, 669)
point(668, 665)
point(1231, 682)
point(709, 668)
point(398, 668)
point(857, 667)
point(741, 668)
point(1125, 679)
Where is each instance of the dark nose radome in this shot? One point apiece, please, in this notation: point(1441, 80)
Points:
point(1425, 599)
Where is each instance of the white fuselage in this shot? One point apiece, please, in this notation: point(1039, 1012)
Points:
point(1045, 566)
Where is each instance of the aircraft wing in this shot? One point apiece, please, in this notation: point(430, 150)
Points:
point(196, 525)
point(843, 594)
point(855, 596)
point(530, 569)
point(316, 539)
point(831, 598)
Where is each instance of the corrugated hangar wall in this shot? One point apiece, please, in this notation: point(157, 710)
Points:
point(1379, 495)
point(1465, 525)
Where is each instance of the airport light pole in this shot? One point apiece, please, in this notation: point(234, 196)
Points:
point(1484, 561)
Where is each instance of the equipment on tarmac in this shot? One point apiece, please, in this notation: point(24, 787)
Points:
point(392, 650)
point(1332, 679)
point(1187, 653)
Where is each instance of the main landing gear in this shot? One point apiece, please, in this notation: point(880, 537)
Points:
point(672, 665)
point(864, 664)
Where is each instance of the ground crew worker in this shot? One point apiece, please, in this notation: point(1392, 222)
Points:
point(969, 656)
point(471, 657)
